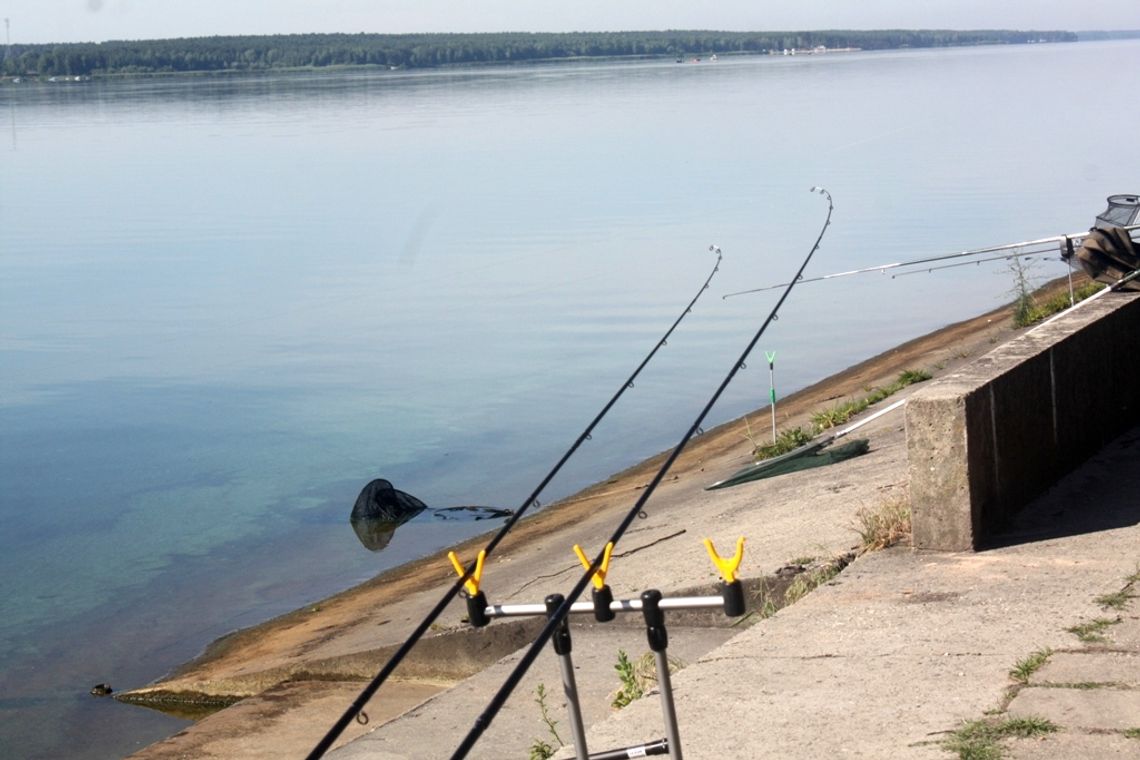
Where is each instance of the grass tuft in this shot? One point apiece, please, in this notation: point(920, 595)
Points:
point(786, 440)
point(1093, 631)
point(807, 582)
point(824, 419)
point(1117, 600)
point(884, 526)
point(1030, 665)
point(1029, 311)
point(980, 739)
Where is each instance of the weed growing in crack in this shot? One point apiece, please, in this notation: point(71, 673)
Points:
point(1118, 600)
point(542, 749)
point(1030, 665)
point(1092, 632)
point(980, 739)
point(638, 677)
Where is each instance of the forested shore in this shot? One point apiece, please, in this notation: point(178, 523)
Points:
point(408, 51)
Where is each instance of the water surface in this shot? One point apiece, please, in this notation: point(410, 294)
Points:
point(225, 305)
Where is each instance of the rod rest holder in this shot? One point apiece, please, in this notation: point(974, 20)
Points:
point(733, 594)
point(477, 610)
point(603, 599)
point(561, 637)
point(654, 620)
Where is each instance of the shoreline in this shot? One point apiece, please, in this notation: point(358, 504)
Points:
point(339, 643)
point(724, 439)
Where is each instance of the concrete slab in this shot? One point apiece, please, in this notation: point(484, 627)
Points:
point(435, 728)
point(1091, 666)
point(1081, 709)
point(1070, 746)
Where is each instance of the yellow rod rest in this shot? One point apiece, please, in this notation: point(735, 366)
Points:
point(599, 577)
point(727, 567)
point(472, 583)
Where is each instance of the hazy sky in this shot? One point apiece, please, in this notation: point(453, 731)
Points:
point(97, 20)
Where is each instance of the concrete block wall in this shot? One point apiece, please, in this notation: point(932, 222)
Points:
point(985, 440)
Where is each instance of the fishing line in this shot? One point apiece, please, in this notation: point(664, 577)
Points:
point(532, 500)
point(555, 619)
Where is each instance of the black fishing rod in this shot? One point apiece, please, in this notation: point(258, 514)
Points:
point(556, 618)
point(358, 704)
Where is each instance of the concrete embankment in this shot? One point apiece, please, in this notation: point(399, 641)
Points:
point(987, 439)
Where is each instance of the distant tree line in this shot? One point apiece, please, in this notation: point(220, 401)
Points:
point(1128, 34)
point(260, 53)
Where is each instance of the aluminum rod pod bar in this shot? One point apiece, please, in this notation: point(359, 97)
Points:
point(618, 605)
point(531, 654)
point(659, 747)
point(562, 648)
point(417, 633)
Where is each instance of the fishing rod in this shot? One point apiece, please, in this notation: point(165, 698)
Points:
point(1042, 245)
point(532, 500)
point(559, 615)
point(977, 262)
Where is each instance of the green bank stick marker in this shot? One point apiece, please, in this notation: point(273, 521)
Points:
point(771, 357)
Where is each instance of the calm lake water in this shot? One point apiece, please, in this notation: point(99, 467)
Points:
point(227, 305)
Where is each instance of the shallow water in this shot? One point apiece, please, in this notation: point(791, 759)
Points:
point(225, 305)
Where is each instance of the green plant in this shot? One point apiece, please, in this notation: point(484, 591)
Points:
point(764, 602)
point(630, 687)
point(979, 739)
point(541, 749)
point(792, 438)
point(837, 415)
point(1039, 310)
point(805, 583)
point(883, 526)
point(1092, 631)
point(1030, 665)
point(1132, 733)
point(912, 376)
point(1022, 291)
point(786, 440)
point(1118, 600)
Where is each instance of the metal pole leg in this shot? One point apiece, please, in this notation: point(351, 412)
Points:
point(659, 643)
point(562, 647)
